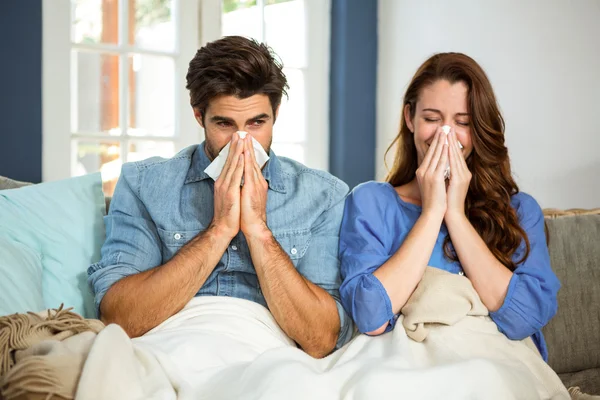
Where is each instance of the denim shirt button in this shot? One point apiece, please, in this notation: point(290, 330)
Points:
point(294, 251)
point(234, 247)
point(177, 236)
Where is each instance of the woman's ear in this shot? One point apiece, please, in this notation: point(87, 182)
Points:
point(408, 118)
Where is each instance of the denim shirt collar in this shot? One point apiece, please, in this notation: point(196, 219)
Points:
point(271, 172)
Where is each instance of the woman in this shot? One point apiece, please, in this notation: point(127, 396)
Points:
point(475, 223)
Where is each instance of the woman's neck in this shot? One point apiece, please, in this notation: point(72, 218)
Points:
point(410, 192)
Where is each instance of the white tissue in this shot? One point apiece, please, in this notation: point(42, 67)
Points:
point(446, 130)
point(215, 167)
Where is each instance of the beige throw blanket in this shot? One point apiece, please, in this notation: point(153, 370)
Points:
point(42, 354)
point(441, 298)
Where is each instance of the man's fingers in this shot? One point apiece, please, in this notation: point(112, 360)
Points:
point(236, 180)
point(235, 156)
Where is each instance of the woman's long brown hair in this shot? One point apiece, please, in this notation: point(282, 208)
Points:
point(488, 203)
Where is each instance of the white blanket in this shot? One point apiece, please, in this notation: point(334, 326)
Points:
point(226, 348)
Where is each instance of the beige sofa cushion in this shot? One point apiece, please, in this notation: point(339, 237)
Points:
point(573, 335)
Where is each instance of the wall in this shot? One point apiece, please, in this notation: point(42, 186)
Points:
point(543, 58)
point(21, 90)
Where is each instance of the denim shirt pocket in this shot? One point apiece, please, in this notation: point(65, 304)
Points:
point(294, 243)
point(173, 240)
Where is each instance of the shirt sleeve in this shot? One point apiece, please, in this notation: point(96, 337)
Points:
point(320, 263)
point(364, 247)
point(132, 244)
point(530, 302)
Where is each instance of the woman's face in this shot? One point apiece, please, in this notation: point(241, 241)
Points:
point(439, 104)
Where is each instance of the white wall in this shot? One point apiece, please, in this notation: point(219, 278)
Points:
point(543, 58)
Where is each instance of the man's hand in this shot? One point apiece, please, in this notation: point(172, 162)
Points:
point(254, 195)
point(227, 190)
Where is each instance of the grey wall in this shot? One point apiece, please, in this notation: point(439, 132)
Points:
point(21, 89)
point(543, 58)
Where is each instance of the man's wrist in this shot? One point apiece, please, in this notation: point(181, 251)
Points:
point(258, 233)
point(219, 234)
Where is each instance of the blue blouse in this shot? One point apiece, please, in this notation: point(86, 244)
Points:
point(376, 221)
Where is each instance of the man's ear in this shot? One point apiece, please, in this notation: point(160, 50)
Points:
point(408, 118)
point(198, 115)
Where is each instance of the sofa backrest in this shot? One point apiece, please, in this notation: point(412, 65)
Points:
point(573, 335)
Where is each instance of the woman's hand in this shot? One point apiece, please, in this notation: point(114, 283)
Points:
point(460, 178)
point(430, 176)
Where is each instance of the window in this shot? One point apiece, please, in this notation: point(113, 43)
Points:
point(114, 77)
point(126, 100)
point(301, 130)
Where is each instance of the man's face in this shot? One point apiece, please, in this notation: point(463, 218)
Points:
point(226, 115)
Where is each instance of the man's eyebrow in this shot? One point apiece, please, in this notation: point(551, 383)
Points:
point(259, 116)
point(218, 118)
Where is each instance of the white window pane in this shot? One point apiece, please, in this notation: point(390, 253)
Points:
point(142, 149)
point(241, 18)
point(290, 150)
point(235, 5)
point(285, 31)
point(153, 26)
point(95, 21)
point(290, 126)
point(151, 96)
point(95, 93)
point(89, 157)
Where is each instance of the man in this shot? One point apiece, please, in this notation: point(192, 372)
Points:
point(173, 233)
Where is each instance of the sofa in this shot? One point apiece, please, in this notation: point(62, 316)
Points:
point(573, 335)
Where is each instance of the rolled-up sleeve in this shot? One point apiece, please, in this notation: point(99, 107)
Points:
point(321, 264)
point(132, 244)
point(363, 249)
point(530, 302)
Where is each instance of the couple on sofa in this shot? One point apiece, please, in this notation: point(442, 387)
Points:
point(293, 240)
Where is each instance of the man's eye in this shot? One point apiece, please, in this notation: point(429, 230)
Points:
point(257, 122)
point(224, 124)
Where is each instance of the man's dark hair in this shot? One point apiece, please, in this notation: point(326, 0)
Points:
point(235, 66)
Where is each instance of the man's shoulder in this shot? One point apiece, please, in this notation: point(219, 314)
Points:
point(311, 179)
point(157, 172)
point(159, 164)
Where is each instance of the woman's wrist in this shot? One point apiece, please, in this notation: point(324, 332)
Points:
point(433, 215)
point(454, 217)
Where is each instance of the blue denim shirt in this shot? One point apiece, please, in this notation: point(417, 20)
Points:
point(161, 204)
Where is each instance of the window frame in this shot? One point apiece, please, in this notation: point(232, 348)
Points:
point(316, 73)
point(57, 46)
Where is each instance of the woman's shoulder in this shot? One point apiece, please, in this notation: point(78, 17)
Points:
point(371, 198)
point(526, 206)
point(372, 191)
point(522, 200)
